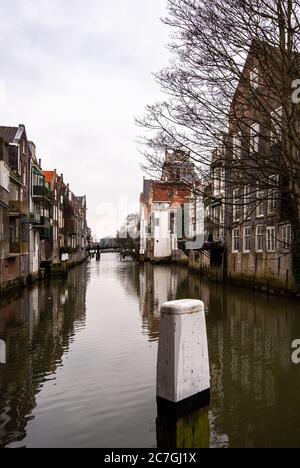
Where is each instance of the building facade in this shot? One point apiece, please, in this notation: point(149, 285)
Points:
point(34, 214)
point(170, 211)
point(248, 200)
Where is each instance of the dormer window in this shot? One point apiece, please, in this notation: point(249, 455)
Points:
point(254, 78)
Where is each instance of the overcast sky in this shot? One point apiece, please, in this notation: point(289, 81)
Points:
point(76, 72)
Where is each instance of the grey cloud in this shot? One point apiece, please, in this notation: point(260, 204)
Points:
point(77, 73)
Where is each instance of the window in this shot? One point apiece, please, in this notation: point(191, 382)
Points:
point(259, 241)
point(236, 240)
point(247, 202)
point(273, 193)
point(222, 218)
point(216, 215)
point(247, 240)
point(236, 206)
point(271, 239)
point(237, 146)
point(219, 181)
point(276, 125)
point(254, 78)
point(260, 209)
point(286, 237)
point(254, 138)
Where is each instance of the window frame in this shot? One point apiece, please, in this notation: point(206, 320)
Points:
point(271, 239)
point(286, 242)
point(236, 238)
point(260, 191)
point(254, 137)
point(246, 239)
point(236, 211)
point(261, 236)
point(274, 193)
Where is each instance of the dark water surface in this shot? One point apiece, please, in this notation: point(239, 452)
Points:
point(81, 360)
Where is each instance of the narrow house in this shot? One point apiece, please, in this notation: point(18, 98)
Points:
point(15, 265)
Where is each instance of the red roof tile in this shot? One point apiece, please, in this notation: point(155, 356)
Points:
point(167, 193)
point(49, 176)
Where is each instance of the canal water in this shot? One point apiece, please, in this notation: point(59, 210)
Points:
point(79, 360)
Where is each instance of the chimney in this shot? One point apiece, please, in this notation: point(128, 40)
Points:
point(40, 163)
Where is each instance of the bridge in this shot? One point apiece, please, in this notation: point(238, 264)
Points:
point(96, 248)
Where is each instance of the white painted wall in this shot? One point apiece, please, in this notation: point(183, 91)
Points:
point(162, 237)
point(143, 228)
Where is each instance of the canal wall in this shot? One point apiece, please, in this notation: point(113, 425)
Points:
point(269, 273)
point(19, 277)
point(62, 268)
point(259, 278)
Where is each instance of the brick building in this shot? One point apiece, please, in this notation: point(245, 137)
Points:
point(249, 201)
point(39, 215)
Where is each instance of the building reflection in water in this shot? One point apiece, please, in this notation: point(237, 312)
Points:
point(37, 328)
point(254, 383)
point(191, 431)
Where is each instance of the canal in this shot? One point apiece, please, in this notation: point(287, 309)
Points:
point(80, 363)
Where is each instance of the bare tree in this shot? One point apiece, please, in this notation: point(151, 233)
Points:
point(234, 63)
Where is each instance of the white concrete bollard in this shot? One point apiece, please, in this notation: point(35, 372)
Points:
point(183, 373)
point(2, 352)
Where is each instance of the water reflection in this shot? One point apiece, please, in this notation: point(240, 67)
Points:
point(81, 362)
point(37, 328)
point(254, 383)
point(191, 431)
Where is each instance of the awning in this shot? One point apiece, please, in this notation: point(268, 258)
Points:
point(37, 171)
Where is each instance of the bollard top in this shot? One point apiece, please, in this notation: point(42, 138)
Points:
point(182, 307)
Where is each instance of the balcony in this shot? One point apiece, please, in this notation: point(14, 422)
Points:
point(41, 191)
point(18, 248)
point(18, 208)
point(35, 218)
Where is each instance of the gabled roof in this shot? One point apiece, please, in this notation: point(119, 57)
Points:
point(266, 57)
point(49, 176)
point(166, 192)
point(8, 133)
